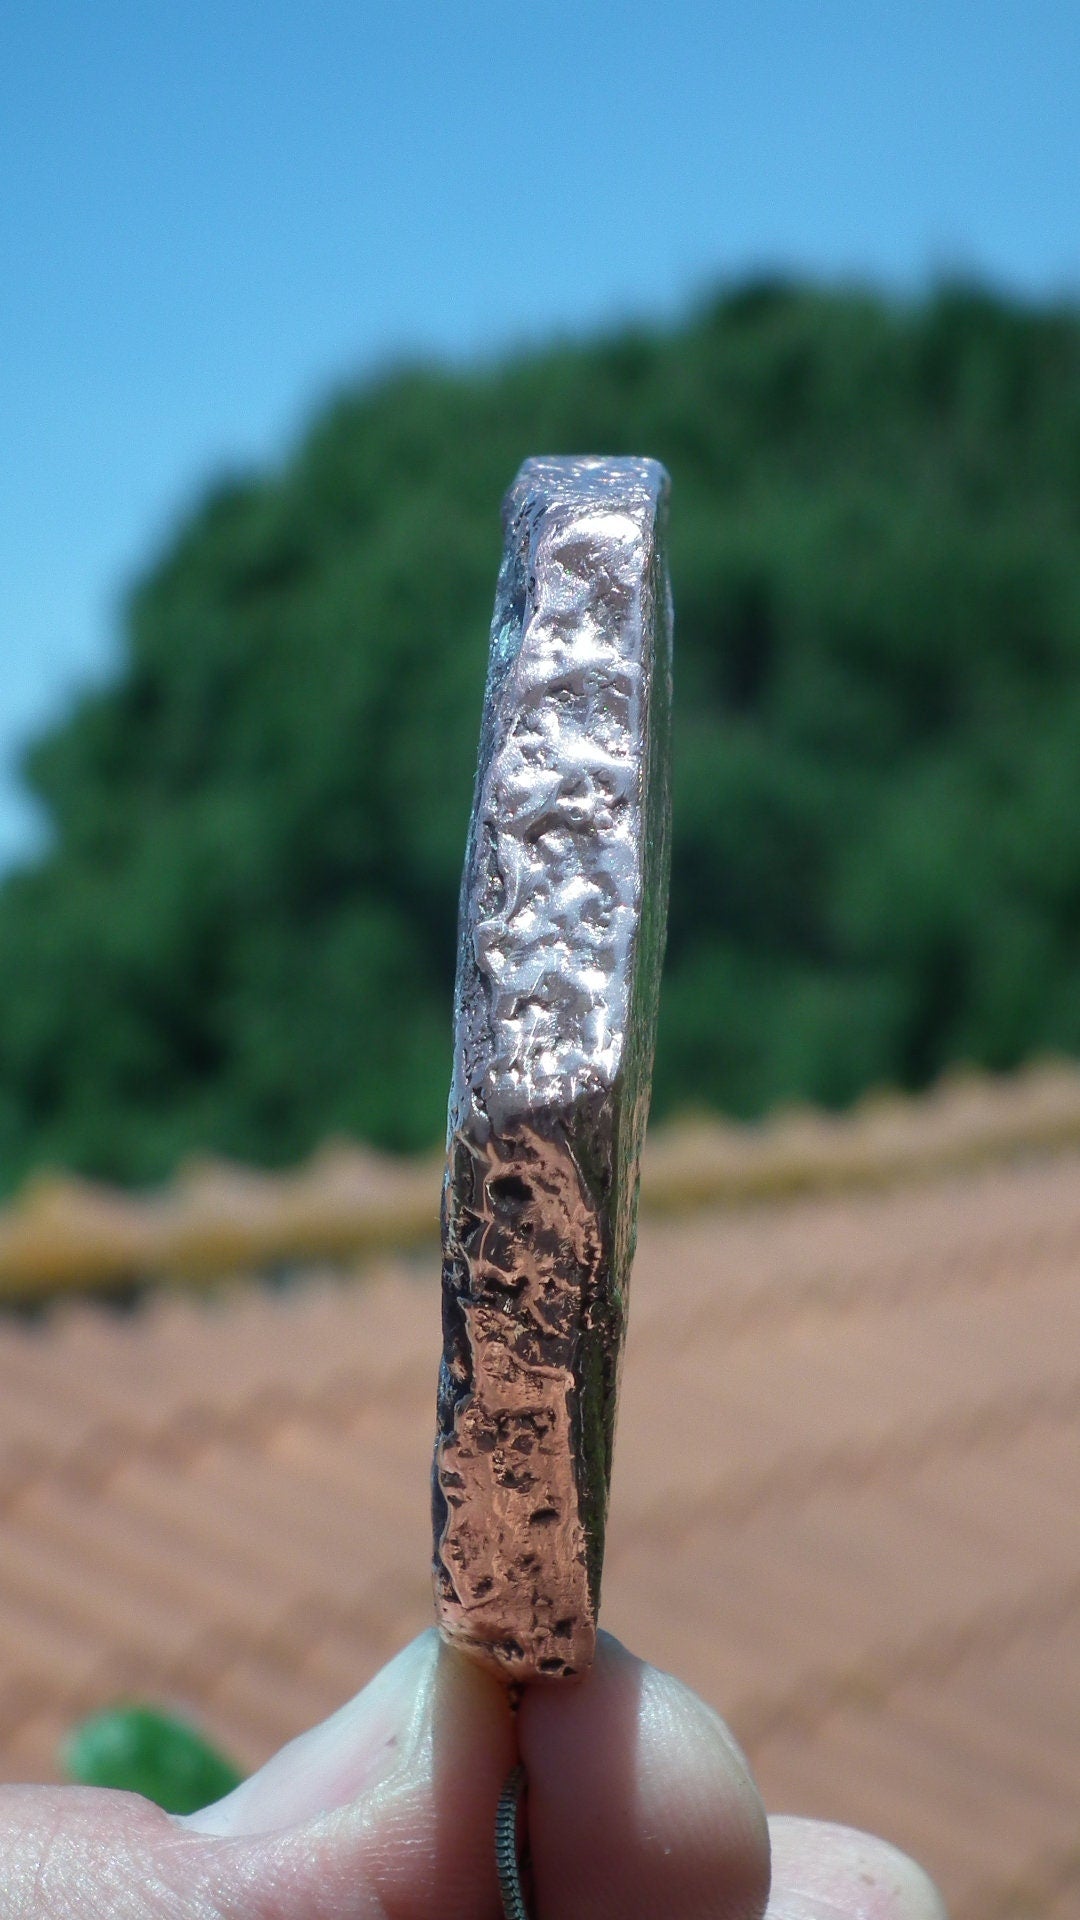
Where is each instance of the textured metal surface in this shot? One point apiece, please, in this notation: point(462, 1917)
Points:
point(561, 939)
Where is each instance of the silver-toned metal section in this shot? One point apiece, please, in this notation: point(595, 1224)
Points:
point(506, 1847)
point(561, 938)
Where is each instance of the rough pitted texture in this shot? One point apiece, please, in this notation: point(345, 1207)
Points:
point(561, 938)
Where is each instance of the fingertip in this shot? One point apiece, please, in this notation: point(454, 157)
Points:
point(345, 1758)
point(429, 1834)
point(821, 1870)
point(640, 1802)
point(390, 1801)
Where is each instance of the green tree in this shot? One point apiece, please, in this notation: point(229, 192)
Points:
point(241, 936)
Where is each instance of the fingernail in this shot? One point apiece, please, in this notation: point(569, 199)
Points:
point(361, 1747)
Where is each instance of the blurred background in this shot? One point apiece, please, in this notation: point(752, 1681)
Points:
point(288, 295)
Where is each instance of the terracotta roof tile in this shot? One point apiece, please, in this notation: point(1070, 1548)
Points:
point(845, 1505)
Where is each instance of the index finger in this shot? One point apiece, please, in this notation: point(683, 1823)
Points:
point(640, 1803)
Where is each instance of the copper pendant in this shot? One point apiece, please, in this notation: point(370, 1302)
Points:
point(561, 938)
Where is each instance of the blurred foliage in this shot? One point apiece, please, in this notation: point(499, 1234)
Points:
point(141, 1750)
point(242, 937)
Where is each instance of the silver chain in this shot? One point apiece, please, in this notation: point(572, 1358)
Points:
point(506, 1848)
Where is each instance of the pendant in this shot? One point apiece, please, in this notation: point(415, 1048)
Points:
point(561, 936)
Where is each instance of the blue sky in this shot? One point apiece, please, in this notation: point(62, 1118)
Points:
point(210, 215)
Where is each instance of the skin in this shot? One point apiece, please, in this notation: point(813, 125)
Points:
point(640, 1806)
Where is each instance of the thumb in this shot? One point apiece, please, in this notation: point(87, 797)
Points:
point(388, 1807)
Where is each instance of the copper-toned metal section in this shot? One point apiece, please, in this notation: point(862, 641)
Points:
point(561, 938)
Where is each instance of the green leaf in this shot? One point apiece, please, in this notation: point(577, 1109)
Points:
point(142, 1750)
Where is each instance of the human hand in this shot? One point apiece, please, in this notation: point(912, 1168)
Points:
point(640, 1808)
